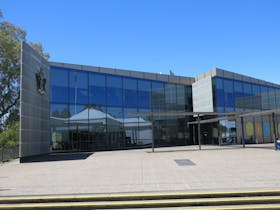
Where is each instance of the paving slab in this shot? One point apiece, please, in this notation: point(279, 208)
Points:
point(169, 169)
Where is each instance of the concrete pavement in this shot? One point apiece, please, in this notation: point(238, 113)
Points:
point(168, 169)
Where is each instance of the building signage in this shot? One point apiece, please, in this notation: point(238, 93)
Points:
point(41, 82)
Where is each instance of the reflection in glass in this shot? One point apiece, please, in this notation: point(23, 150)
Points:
point(131, 127)
point(130, 92)
point(158, 99)
point(114, 91)
point(78, 87)
point(272, 97)
point(98, 120)
point(220, 94)
point(115, 130)
point(144, 94)
point(90, 111)
point(59, 126)
point(229, 94)
point(145, 128)
point(59, 85)
point(170, 96)
point(97, 89)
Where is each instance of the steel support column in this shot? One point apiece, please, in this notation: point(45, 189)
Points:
point(242, 126)
point(198, 132)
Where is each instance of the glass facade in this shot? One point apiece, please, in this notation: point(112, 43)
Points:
point(239, 96)
point(90, 111)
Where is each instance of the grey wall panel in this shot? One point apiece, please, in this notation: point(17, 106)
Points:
point(202, 95)
point(34, 106)
point(129, 73)
point(107, 70)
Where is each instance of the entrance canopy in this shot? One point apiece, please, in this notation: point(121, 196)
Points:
point(194, 114)
point(226, 116)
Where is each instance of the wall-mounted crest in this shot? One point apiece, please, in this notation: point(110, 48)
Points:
point(41, 82)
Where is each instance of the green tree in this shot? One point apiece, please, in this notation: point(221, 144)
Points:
point(10, 137)
point(11, 37)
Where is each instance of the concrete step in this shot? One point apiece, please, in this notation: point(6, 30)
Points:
point(215, 200)
point(134, 196)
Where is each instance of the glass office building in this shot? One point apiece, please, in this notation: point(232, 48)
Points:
point(91, 110)
point(241, 96)
point(232, 92)
point(71, 107)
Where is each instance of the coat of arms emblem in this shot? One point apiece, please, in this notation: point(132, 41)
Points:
point(41, 82)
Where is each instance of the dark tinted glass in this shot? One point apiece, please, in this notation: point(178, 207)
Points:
point(188, 96)
point(170, 97)
point(272, 97)
point(264, 98)
point(158, 99)
point(181, 97)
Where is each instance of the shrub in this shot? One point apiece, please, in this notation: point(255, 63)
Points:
point(10, 137)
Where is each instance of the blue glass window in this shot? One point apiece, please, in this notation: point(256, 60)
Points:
point(115, 116)
point(181, 98)
point(264, 98)
point(158, 99)
point(277, 97)
point(238, 94)
point(170, 96)
point(114, 91)
point(60, 110)
point(188, 96)
point(238, 89)
point(272, 97)
point(97, 89)
point(247, 87)
point(59, 85)
point(256, 89)
point(220, 92)
point(229, 93)
point(130, 92)
point(144, 93)
point(80, 112)
point(78, 87)
point(264, 89)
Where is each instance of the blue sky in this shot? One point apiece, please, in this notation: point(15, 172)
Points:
point(187, 36)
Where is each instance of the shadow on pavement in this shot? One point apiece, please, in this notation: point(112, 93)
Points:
point(58, 157)
point(208, 147)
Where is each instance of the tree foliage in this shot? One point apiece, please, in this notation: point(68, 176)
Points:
point(10, 137)
point(11, 37)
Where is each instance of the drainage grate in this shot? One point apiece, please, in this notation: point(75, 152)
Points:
point(184, 162)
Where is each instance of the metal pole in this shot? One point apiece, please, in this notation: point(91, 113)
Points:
point(274, 130)
point(194, 140)
point(153, 140)
point(242, 126)
point(198, 132)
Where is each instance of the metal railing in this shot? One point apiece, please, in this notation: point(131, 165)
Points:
point(9, 153)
